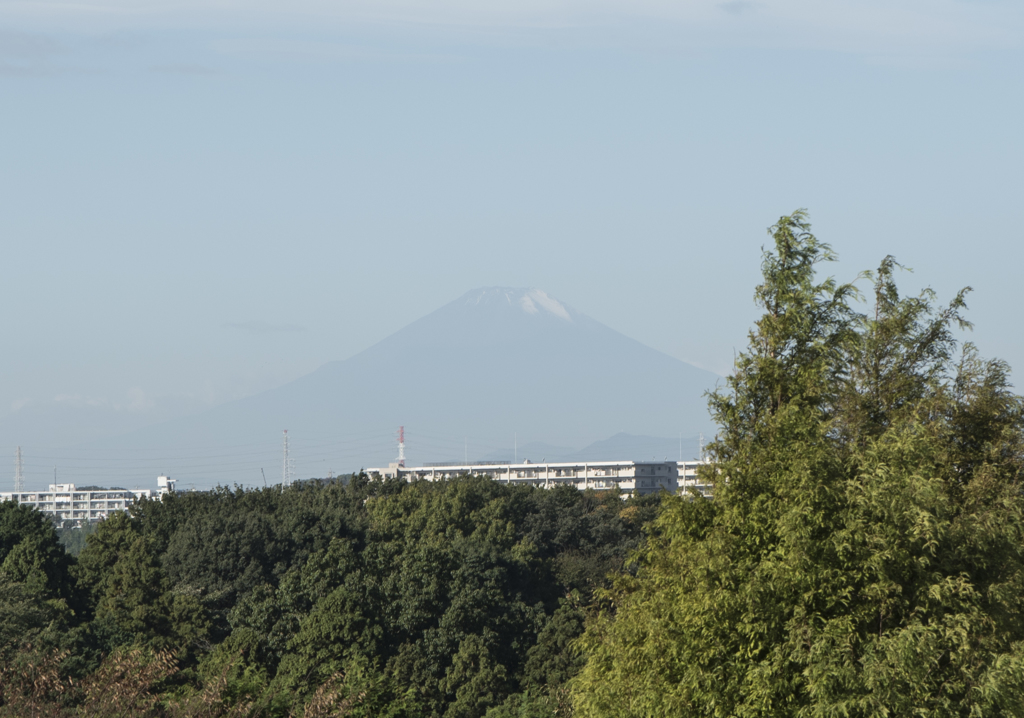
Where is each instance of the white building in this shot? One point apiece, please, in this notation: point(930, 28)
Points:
point(630, 477)
point(165, 485)
point(65, 502)
point(687, 478)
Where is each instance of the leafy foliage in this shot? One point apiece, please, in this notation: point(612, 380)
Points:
point(31, 553)
point(863, 553)
point(369, 598)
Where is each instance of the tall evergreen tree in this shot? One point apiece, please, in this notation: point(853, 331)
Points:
point(863, 552)
point(31, 553)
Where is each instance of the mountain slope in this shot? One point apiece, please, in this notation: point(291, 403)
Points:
point(464, 380)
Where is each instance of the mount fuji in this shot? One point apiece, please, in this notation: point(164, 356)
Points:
point(495, 369)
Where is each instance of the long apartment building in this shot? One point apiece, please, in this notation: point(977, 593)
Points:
point(631, 477)
point(66, 502)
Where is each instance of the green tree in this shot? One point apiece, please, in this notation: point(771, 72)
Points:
point(131, 600)
point(104, 547)
point(863, 552)
point(24, 618)
point(368, 598)
point(31, 552)
point(73, 537)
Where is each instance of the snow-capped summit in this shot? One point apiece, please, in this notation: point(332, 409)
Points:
point(534, 300)
point(531, 301)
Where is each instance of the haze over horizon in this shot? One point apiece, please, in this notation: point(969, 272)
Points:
point(496, 366)
point(209, 201)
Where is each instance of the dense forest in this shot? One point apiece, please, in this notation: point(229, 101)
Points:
point(361, 598)
point(863, 555)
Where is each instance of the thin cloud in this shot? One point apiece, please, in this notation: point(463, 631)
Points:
point(24, 54)
point(19, 404)
point(261, 327)
point(183, 70)
point(25, 46)
point(316, 50)
point(138, 401)
point(875, 27)
point(738, 7)
point(79, 400)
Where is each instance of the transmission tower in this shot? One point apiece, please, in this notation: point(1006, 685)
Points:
point(19, 478)
point(286, 470)
point(401, 446)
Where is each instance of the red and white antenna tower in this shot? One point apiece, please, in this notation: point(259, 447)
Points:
point(401, 446)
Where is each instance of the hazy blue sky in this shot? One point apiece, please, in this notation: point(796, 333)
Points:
point(202, 200)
